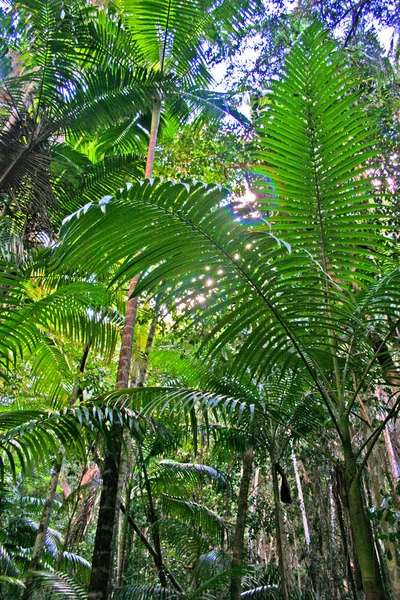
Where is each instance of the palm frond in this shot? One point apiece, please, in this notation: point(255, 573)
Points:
point(14, 582)
point(263, 592)
point(7, 566)
point(146, 592)
point(183, 473)
point(77, 564)
point(194, 515)
point(56, 585)
point(316, 145)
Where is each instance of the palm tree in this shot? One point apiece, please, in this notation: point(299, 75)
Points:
point(301, 287)
point(168, 37)
point(63, 89)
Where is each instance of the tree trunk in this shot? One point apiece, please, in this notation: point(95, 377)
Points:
point(108, 519)
point(301, 500)
point(376, 477)
point(149, 344)
point(34, 564)
point(240, 525)
point(125, 467)
point(377, 465)
point(107, 524)
point(123, 537)
point(280, 533)
point(338, 491)
point(155, 124)
point(158, 560)
point(362, 535)
point(392, 458)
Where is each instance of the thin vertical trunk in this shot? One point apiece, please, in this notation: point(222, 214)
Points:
point(125, 467)
point(110, 499)
point(240, 525)
point(125, 354)
point(123, 538)
point(377, 460)
point(155, 124)
point(254, 509)
point(391, 483)
point(391, 455)
point(107, 524)
point(280, 532)
point(149, 345)
point(376, 476)
point(46, 515)
point(154, 527)
point(40, 541)
point(301, 500)
point(338, 491)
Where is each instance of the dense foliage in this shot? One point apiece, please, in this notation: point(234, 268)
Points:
point(200, 310)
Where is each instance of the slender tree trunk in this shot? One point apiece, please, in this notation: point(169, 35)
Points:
point(155, 124)
point(123, 538)
point(103, 553)
point(338, 498)
point(110, 499)
point(34, 564)
point(158, 559)
point(280, 532)
point(240, 525)
point(376, 477)
point(149, 345)
point(125, 467)
point(362, 535)
point(392, 458)
point(46, 515)
point(301, 500)
point(377, 460)
point(252, 545)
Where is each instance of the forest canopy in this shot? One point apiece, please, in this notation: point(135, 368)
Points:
point(200, 305)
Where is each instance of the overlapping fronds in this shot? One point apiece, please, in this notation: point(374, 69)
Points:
point(7, 566)
point(84, 72)
point(195, 230)
point(31, 438)
point(283, 288)
point(37, 310)
point(194, 515)
point(189, 540)
point(77, 564)
point(168, 33)
point(158, 400)
point(215, 571)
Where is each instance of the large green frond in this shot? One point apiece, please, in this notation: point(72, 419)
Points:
point(187, 240)
point(316, 145)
